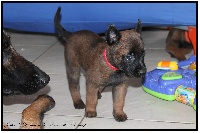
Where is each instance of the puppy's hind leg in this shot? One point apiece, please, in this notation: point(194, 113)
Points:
point(73, 74)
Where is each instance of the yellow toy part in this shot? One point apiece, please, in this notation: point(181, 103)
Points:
point(168, 65)
point(192, 66)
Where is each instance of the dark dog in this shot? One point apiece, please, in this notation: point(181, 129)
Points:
point(178, 44)
point(19, 75)
point(109, 62)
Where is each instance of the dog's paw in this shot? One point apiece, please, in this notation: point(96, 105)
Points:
point(120, 117)
point(79, 105)
point(90, 114)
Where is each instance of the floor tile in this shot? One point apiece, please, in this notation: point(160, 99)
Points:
point(32, 39)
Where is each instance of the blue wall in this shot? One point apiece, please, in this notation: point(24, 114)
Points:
point(38, 17)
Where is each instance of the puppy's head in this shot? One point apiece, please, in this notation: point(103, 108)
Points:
point(127, 50)
point(19, 75)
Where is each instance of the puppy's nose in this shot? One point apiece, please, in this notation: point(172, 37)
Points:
point(143, 71)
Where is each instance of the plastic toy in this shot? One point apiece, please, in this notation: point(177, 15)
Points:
point(186, 63)
point(167, 65)
point(170, 84)
point(186, 95)
point(192, 66)
point(194, 103)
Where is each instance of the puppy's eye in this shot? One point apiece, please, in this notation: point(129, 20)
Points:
point(130, 57)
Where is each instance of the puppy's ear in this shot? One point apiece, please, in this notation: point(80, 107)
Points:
point(138, 27)
point(112, 35)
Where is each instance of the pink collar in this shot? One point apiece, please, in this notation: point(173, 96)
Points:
point(107, 62)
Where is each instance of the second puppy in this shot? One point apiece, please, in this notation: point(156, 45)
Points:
point(110, 62)
point(178, 43)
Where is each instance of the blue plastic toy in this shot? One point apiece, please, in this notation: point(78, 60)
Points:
point(186, 63)
point(173, 84)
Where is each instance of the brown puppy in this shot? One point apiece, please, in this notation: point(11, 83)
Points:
point(109, 62)
point(178, 44)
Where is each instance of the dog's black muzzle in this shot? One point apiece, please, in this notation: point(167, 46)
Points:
point(20, 76)
point(24, 81)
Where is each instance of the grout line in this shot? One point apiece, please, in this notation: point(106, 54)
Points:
point(44, 51)
point(162, 121)
point(12, 112)
point(79, 124)
point(153, 120)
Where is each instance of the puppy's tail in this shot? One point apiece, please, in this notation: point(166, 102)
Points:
point(60, 29)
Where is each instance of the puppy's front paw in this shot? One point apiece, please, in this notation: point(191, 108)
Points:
point(91, 114)
point(120, 117)
point(79, 105)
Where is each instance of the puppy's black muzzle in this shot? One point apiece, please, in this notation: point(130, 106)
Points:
point(142, 72)
point(133, 67)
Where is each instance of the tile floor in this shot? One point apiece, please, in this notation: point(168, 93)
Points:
point(144, 111)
